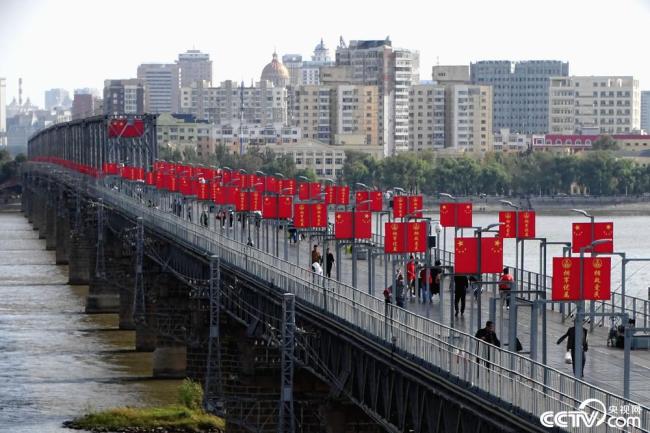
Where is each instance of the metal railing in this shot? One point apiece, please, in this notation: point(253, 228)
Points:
point(525, 386)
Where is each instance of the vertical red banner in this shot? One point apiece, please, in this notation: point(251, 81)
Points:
point(464, 215)
point(285, 205)
point(526, 224)
point(203, 192)
point(314, 191)
point(363, 225)
point(303, 191)
point(582, 236)
point(394, 238)
point(566, 279)
point(376, 204)
point(417, 237)
point(399, 206)
point(318, 215)
point(507, 228)
point(414, 204)
point(466, 258)
point(218, 193)
point(361, 200)
point(598, 277)
point(343, 225)
point(269, 207)
point(343, 195)
point(491, 255)
point(604, 230)
point(447, 217)
point(330, 194)
point(288, 186)
point(300, 215)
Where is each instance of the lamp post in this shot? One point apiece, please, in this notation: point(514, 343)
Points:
point(577, 362)
point(354, 252)
point(444, 237)
point(427, 253)
point(516, 208)
point(479, 235)
point(593, 238)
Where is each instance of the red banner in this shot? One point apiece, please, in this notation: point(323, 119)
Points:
point(288, 186)
point(269, 207)
point(318, 214)
point(465, 251)
point(376, 201)
point(526, 224)
point(582, 236)
point(394, 238)
point(149, 178)
point(330, 194)
point(399, 206)
point(125, 128)
point(343, 225)
point(507, 228)
point(416, 237)
point(456, 214)
point(363, 225)
point(301, 215)
point(447, 217)
point(249, 201)
point(491, 255)
point(310, 215)
point(309, 190)
point(218, 193)
point(413, 205)
point(342, 195)
point(203, 192)
point(362, 200)
point(285, 205)
point(566, 278)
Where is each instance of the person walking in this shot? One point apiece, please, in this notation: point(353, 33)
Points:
point(571, 345)
point(489, 336)
point(400, 288)
point(315, 255)
point(329, 262)
point(461, 283)
point(410, 275)
point(505, 284)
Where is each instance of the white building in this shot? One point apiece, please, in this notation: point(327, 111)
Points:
point(162, 85)
point(194, 66)
point(594, 104)
point(469, 118)
point(645, 111)
point(506, 141)
point(293, 62)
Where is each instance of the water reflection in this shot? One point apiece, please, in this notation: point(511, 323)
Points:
point(56, 361)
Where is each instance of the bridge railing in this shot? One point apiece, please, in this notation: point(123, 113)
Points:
point(527, 386)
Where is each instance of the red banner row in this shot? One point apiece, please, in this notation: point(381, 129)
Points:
point(596, 278)
point(466, 255)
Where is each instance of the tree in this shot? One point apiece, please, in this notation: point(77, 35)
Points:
point(605, 142)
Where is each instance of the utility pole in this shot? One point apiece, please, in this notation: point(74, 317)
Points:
point(213, 397)
point(285, 420)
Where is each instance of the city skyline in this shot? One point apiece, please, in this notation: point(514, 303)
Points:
point(240, 54)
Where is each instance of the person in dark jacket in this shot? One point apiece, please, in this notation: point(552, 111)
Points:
point(329, 262)
point(571, 345)
point(461, 283)
point(487, 335)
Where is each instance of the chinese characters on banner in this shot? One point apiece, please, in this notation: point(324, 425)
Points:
point(466, 252)
point(249, 201)
point(456, 214)
point(307, 215)
point(582, 236)
point(399, 206)
point(405, 237)
point(525, 225)
point(203, 191)
point(566, 278)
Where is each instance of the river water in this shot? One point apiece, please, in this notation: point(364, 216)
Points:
point(55, 361)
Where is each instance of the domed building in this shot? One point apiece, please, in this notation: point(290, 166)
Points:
point(276, 73)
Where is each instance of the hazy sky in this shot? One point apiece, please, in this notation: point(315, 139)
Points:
point(79, 43)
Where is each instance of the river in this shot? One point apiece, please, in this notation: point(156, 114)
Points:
point(55, 361)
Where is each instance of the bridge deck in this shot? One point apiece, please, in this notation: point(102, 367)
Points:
point(604, 365)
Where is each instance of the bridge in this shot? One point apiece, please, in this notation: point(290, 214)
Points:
point(277, 347)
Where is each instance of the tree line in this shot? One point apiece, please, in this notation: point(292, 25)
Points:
point(597, 172)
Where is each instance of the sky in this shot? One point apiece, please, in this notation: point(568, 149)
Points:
point(79, 43)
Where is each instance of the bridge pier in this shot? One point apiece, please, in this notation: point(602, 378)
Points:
point(39, 217)
point(78, 259)
point(62, 239)
point(50, 223)
point(169, 359)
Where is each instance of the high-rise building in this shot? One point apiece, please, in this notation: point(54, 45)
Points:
point(427, 117)
point(57, 98)
point(311, 111)
point(200, 100)
point(161, 86)
point(262, 103)
point(594, 105)
point(310, 70)
point(194, 66)
point(520, 91)
point(83, 105)
point(3, 111)
point(468, 118)
point(645, 111)
point(354, 115)
point(124, 96)
point(393, 71)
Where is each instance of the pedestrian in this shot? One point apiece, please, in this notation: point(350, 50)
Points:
point(329, 262)
point(400, 289)
point(315, 255)
point(505, 284)
point(317, 268)
point(488, 336)
point(410, 275)
point(571, 345)
point(436, 277)
point(461, 283)
point(250, 242)
point(388, 293)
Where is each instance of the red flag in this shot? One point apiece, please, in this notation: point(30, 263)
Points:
point(507, 228)
point(318, 215)
point(343, 195)
point(343, 225)
point(399, 206)
point(582, 236)
point(284, 206)
point(218, 193)
point(394, 238)
point(491, 255)
point(417, 237)
point(414, 204)
point(203, 191)
point(269, 207)
point(464, 215)
point(314, 191)
point(255, 198)
point(376, 198)
point(598, 275)
point(288, 186)
point(226, 177)
point(447, 217)
point(466, 259)
point(526, 224)
point(566, 279)
point(359, 198)
point(303, 191)
point(301, 215)
point(363, 225)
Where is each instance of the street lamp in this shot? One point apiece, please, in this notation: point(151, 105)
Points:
point(577, 362)
point(444, 239)
point(354, 252)
point(516, 208)
point(479, 234)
